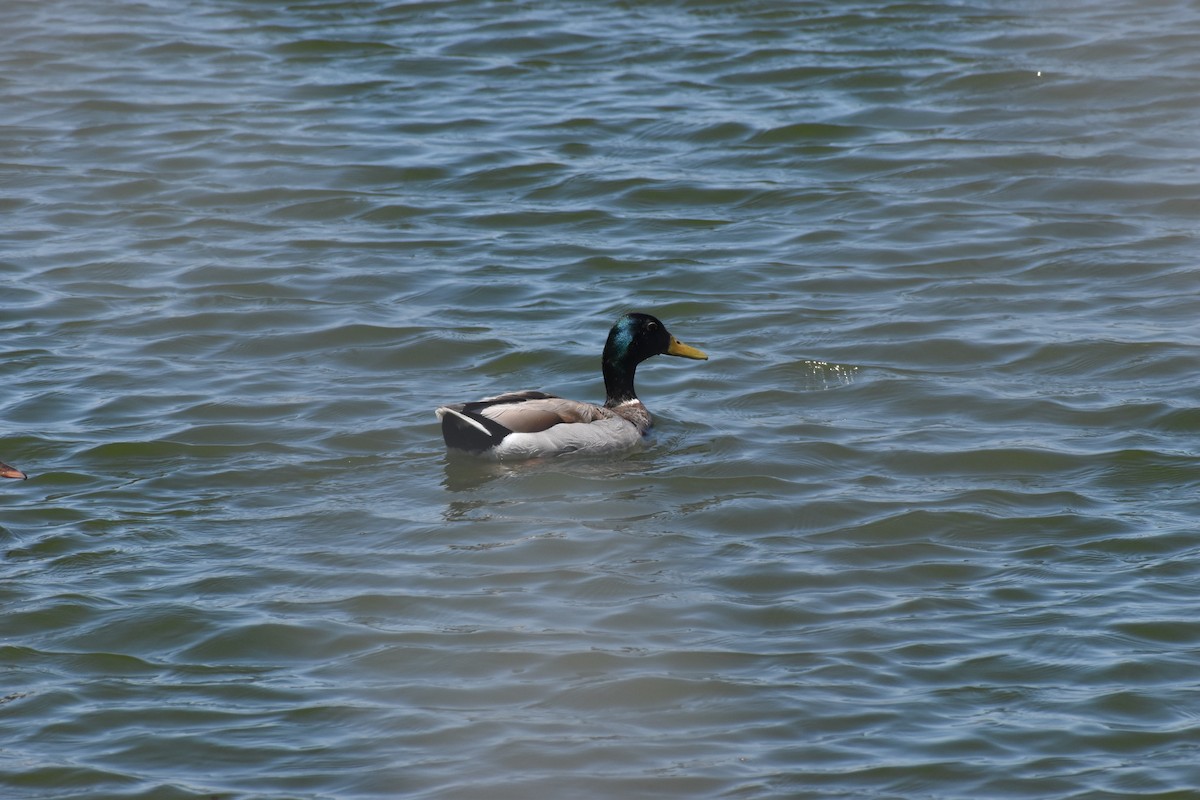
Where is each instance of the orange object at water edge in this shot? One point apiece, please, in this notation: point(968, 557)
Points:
point(11, 472)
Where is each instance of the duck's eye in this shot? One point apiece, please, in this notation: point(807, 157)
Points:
point(653, 326)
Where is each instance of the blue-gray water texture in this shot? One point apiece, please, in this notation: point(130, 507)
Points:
point(927, 524)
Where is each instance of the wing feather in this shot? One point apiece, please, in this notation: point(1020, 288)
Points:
point(539, 414)
point(531, 424)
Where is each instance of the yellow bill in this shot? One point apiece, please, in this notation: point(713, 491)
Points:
point(678, 348)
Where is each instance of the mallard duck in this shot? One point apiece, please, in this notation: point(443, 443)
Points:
point(531, 424)
point(11, 472)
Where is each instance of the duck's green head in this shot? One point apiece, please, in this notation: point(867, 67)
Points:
point(636, 337)
point(633, 339)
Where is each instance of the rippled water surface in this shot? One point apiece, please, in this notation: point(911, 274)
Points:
point(925, 525)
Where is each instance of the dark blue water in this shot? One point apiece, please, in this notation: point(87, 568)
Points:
point(925, 525)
